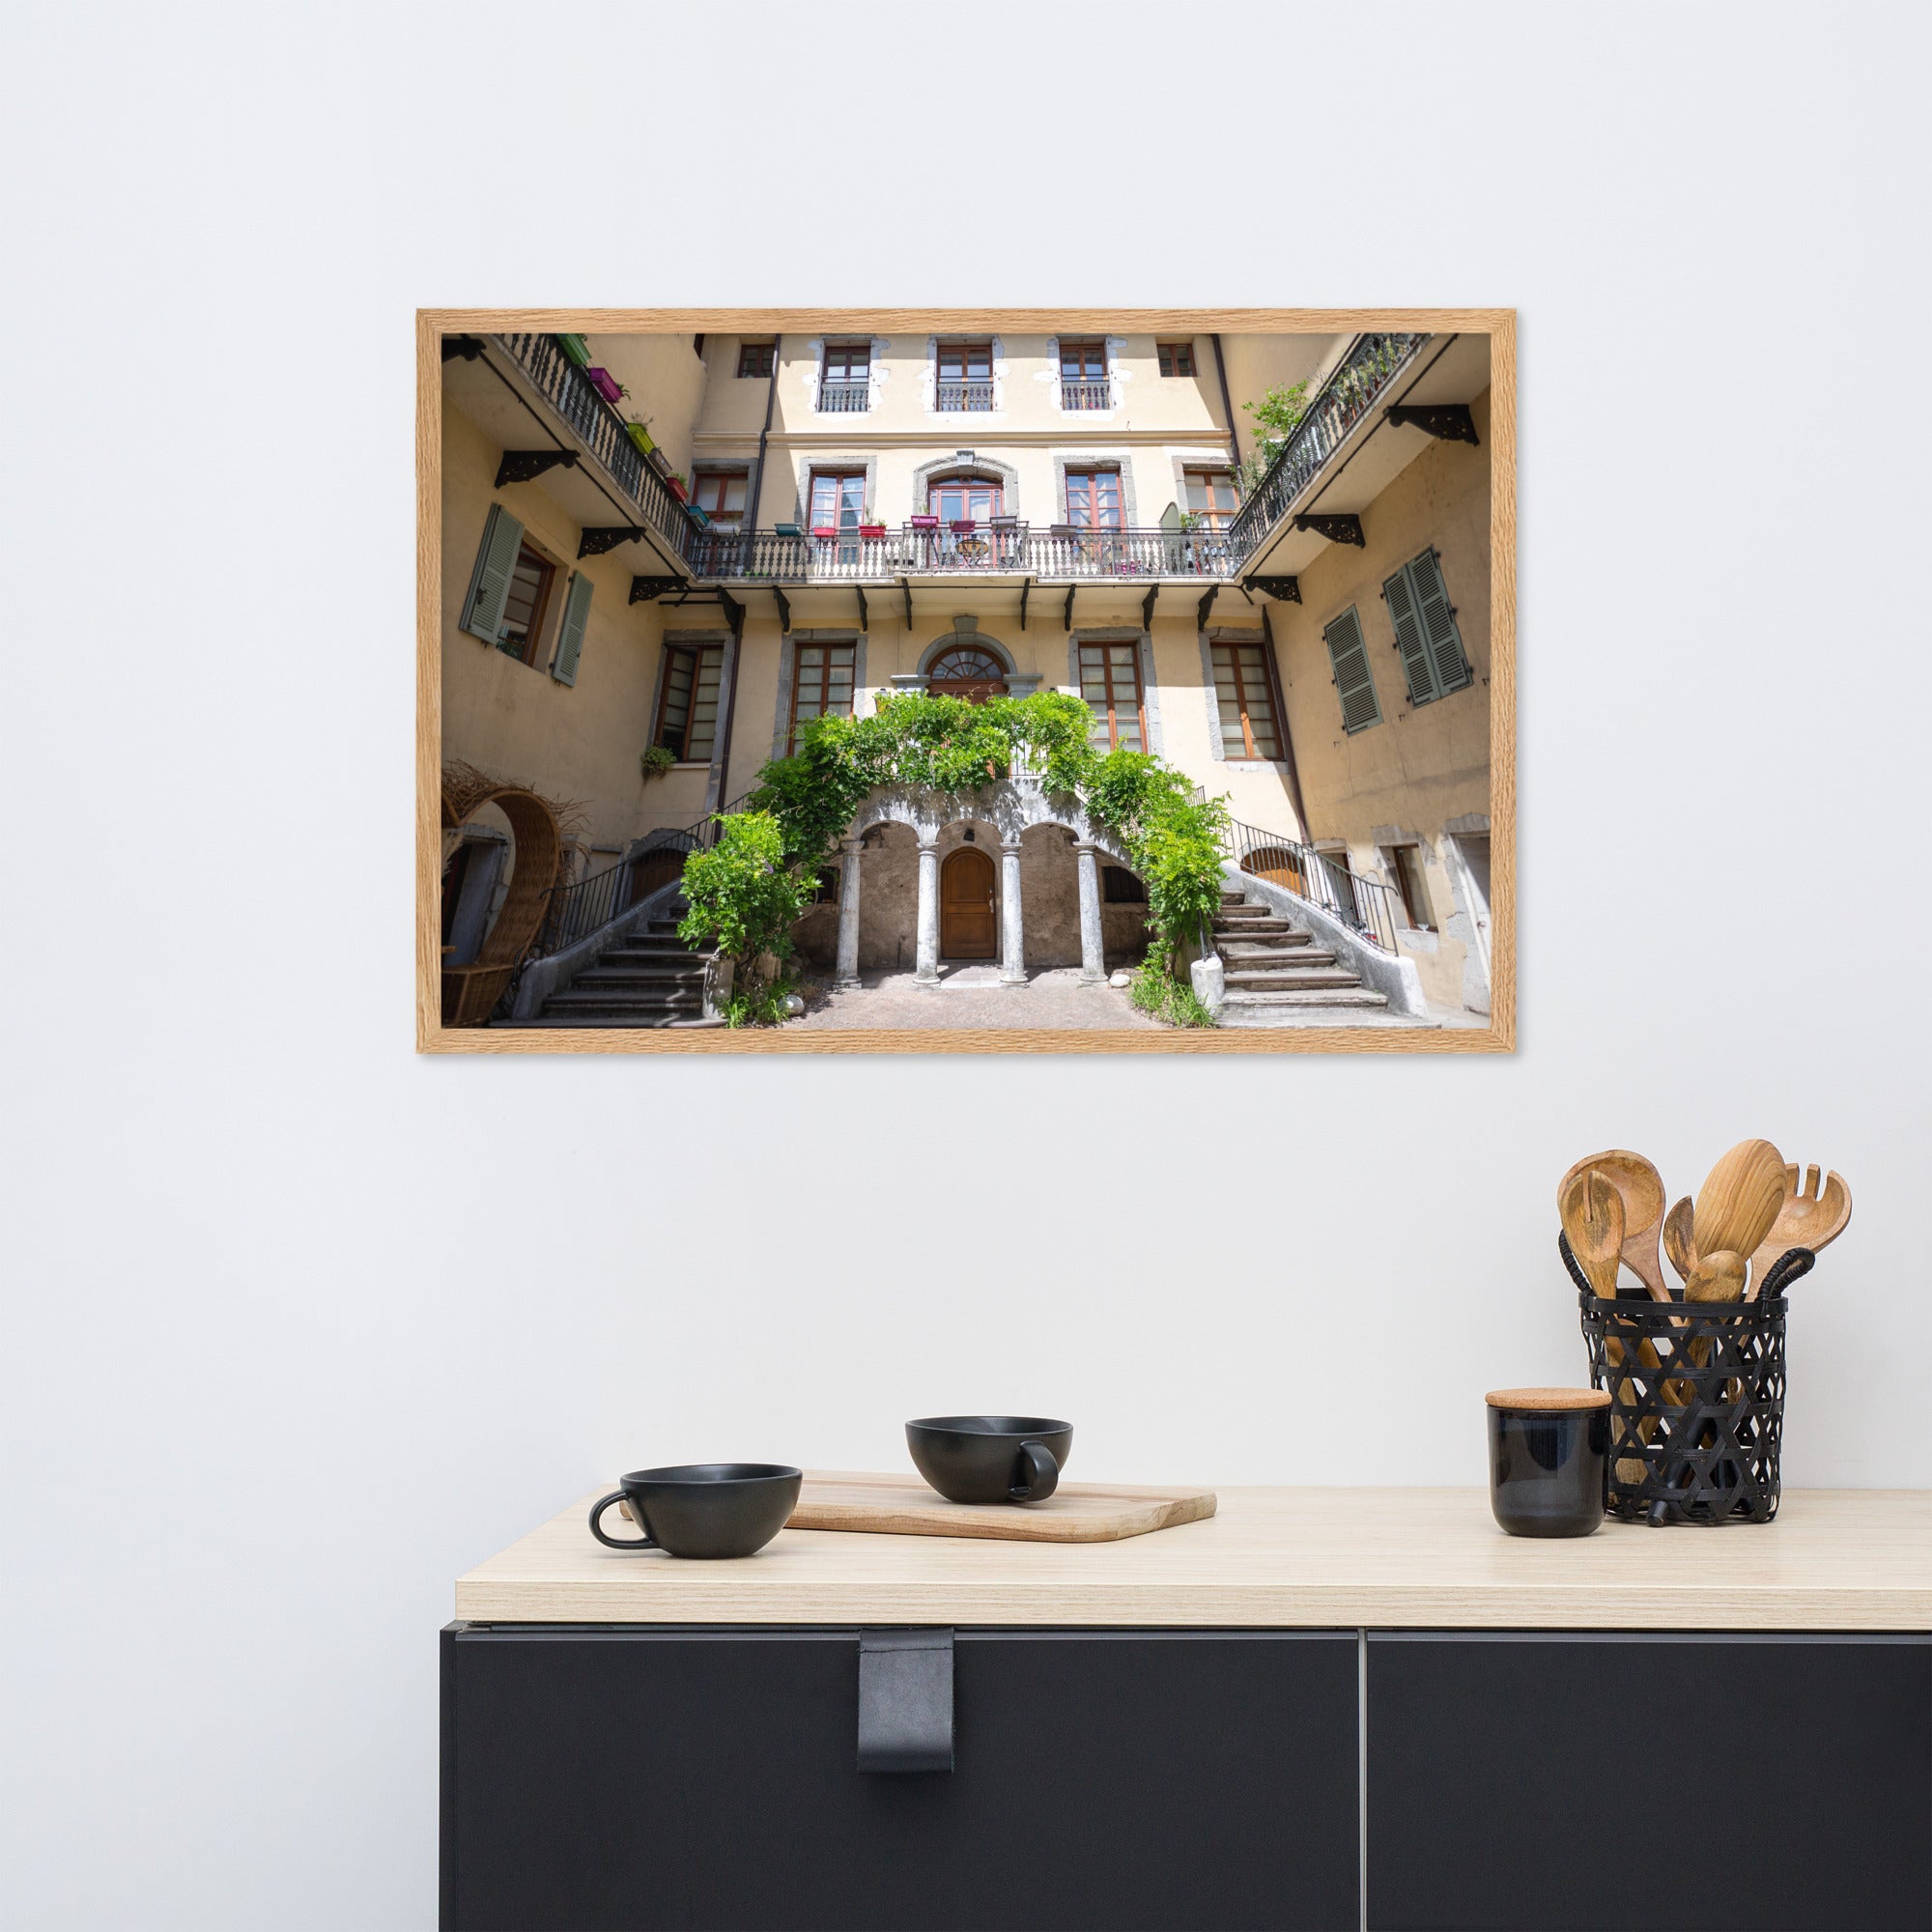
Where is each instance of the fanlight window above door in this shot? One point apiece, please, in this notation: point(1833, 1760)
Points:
point(967, 671)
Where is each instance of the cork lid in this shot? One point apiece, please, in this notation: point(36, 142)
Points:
point(1548, 1401)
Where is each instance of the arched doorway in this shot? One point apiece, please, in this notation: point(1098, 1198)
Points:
point(969, 928)
point(967, 670)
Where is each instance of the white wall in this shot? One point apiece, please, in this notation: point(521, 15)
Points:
point(298, 1325)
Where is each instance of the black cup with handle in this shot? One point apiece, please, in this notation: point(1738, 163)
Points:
point(703, 1509)
point(990, 1458)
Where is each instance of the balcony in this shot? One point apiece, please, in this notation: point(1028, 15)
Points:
point(843, 396)
point(958, 396)
point(1061, 555)
point(1086, 395)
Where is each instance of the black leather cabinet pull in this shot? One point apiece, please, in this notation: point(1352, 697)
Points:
point(905, 1700)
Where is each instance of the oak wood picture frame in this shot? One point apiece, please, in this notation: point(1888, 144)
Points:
point(432, 1037)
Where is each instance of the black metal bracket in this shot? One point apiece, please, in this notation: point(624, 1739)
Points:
point(1070, 588)
point(1026, 590)
point(906, 585)
point(469, 346)
point(1337, 530)
point(1207, 605)
point(1147, 605)
point(785, 611)
point(905, 1700)
point(864, 622)
point(734, 615)
point(644, 588)
point(597, 538)
point(1446, 422)
point(1287, 589)
point(522, 465)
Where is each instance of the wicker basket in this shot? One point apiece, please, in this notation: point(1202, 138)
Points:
point(1696, 1399)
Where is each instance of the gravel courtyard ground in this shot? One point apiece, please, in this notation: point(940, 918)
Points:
point(972, 996)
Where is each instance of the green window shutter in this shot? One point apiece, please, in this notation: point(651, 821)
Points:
point(570, 632)
point(1354, 684)
point(1439, 624)
point(1410, 637)
point(490, 581)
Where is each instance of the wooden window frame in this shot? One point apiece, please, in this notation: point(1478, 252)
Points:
point(799, 645)
point(752, 353)
point(1106, 646)
point(1171, 354)
point(1085, 471)
point(696, 655)
point(540, 614)
point(1189, 472)
point(724, 474)
point(1417, 921)
point(962, 349)
point(936, 485)
point(1083, 343)
point(1233, 646)
point(829, 474)
point(845, 350)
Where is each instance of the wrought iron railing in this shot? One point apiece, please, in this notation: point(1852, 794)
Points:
point(1086, 395)
point(1358, 382)
point(844, 395)
point(568, 390)
point(1064, 553)
point(973, 393)
point(1366, 906)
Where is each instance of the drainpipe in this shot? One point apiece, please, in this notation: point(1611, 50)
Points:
point(752, 497)
point(1226, 405)
point(1293, 773)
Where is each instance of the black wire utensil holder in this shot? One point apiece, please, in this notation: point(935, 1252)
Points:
point(1696, 1398)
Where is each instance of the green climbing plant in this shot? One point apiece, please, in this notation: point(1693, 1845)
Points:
point(745, 894)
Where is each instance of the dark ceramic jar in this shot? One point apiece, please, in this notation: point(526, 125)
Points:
point(1548, 1458)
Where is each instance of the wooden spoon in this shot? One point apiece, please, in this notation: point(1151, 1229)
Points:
point(1679, 1239)
point(1593, 1218)
point(1716, 1277)
point(1641, 1187)
point(1739, 1200)
point(1810, 1216)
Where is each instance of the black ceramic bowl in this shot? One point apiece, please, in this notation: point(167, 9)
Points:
point(990, 1458)
point(703, 1509)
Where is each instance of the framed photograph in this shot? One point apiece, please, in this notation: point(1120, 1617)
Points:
point(921, 681)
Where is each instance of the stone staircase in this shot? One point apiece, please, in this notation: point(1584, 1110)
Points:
point(1275, 971)
point(647, 978)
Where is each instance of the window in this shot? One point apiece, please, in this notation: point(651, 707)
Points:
point(688, 707)
point(838, 499)
point(1405, 863)
point(1119, 887)
point(525, 604)
point(1425, 630)
point(1083, 375)
point(967, 671)
point(720, 495)
point(845, 377)
point(1110, 681)
point(821, 686)
point(965, 376)
point(956, 499)
point(1244, 693)
point(755, 358)
point(826, 891)
point(1177, 359)
point(1093, 499)
point(1354, 684)
point(1211, 497)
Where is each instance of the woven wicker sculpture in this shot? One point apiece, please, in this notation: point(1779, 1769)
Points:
point(470, 992)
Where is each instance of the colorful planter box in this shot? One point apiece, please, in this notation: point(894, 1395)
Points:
point(963, 526)
point(872, 530)
point(606, 384)
point(576, 349)
point(640, 436)
point(824, 531)
point(924, 523)
point(698, 516)
point(675, 485)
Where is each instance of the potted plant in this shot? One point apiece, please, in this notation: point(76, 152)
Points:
point(639, 435)
point(674, 482)
point(924, 523)
point(658, 459)
point(606, 384)
point(576, 349)
point(698, 516)
point(657, 761)
point(1004, 523)
point(824, 531)
point(963, 526)
point(870, 524)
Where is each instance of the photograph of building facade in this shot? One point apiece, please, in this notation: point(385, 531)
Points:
point(663, 554)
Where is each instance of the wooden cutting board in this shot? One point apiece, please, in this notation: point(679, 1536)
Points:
point(1075, 1513)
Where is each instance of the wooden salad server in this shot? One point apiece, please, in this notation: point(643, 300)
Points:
point(1810, 1217)
point(1641, 1187)
point(1680, 1241)
point(1739, 1200)
point(1592, 1211)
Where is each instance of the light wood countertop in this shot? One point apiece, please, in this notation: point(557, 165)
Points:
point(1835, 1559)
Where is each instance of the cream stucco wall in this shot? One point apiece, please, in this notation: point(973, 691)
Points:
point(667, 379)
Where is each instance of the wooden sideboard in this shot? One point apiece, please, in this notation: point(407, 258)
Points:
point(1317, 1709)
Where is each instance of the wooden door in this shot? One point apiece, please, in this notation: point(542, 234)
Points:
point(968, 927)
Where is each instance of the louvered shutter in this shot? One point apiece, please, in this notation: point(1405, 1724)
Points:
point(570, 632)
point(1353, 683)
point(490, 581)
point(1410, 637)
point(1439, 624)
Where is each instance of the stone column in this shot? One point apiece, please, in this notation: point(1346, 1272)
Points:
point(927, 974)
point(1093, 948)
point(1012, 942)
point(848, 916)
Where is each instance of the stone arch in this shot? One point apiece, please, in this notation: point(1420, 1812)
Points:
point(1009, 807)
point(965, 634)
point(986, 467)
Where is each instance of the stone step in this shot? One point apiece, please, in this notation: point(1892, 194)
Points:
point(1268, 946)
point(1243, 909)
point(1243, 928)
point(1262, 978)
point(1250, 1009)
point(634, 954)
point(658, 1020)
point(675, 1002)
point(613, 975)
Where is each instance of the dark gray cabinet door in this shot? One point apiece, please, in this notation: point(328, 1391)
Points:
point(1618, 1784)
point(605, 1778)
